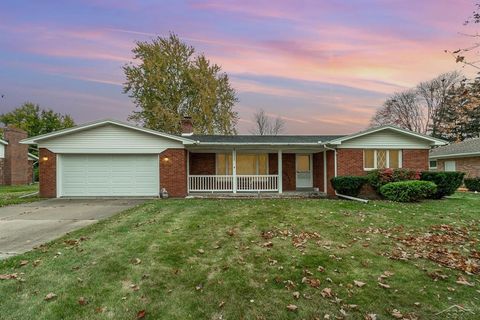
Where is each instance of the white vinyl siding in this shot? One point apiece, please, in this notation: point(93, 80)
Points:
point(386, 139)
point(381, 159)
point(450, 165)
point(109, 139)
point(108, 175)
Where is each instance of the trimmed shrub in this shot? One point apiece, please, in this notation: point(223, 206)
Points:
point(348, 185)
point(473, 184)
point(447, 182)
point(408, 191)
point(380, 177)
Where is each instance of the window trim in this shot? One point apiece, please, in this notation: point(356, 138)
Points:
point(257, 162)
point(375, 163)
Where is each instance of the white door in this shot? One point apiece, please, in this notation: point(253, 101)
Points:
point(304, 170)
point(108, 175)
point(450, 166)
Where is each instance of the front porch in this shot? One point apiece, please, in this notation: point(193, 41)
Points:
point(250, 172)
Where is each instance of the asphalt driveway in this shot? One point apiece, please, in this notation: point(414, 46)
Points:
point(25, 226)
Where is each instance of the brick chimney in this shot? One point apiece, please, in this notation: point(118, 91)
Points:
point(16, 166)
point(187, 126)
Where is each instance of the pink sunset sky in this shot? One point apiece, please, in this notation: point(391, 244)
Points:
point(323, 66)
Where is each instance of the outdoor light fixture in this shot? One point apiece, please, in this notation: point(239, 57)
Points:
point(45, 158)
point(166, 159)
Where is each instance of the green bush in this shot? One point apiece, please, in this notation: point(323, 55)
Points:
point(408, 191)
point(380, 177)
point(447, 182)
point(348, 185)
point(473, 184)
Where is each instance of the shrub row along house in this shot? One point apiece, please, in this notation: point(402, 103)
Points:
point(16, 164)
point(111, 158)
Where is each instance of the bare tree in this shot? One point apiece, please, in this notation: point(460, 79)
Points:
point(264, 125)
point(418, 109)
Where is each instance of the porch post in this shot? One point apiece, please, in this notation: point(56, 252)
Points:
point(234, 170)
point(280, 174)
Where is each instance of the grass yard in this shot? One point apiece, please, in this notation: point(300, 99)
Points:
point(250, 259)
point(10, 194)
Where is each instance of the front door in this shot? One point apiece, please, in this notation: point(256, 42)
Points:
point(304, 170)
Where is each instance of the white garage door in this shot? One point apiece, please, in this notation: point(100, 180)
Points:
point(108, 175)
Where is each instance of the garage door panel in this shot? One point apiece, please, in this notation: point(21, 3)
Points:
point(109, 175)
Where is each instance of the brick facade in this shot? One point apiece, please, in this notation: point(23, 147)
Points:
point(202, 163)
point(415, 159)
point(350, 162)
point(47, 173)
point(330, 172)
point(173, 172)
point(15, 167)
point(469, 165)
point(318, 174)
point(288, 169)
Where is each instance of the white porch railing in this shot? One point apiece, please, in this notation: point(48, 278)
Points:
point(225, 183)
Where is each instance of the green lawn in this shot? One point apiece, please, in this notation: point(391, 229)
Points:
point(250, 259)
point(10, 194)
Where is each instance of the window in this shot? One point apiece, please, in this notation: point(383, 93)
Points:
point(224, 163)
point(432, 164)
point(382, 158)
point(247, 163)
point(450, 166)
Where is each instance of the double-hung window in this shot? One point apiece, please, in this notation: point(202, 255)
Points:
point(382, 158)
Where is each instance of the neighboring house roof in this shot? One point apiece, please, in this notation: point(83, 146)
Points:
point(267, 139)
point(34, 140)
point(3, 142)
point(31, 156)
point(435, 141)
point(470, 147)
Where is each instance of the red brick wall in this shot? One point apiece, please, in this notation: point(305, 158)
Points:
point(470, 165)
point(415, 159)
point(318, 174)
point(16, 157)
point(288, 169)
point(2, 171)
point(30, 170)
point(47, 174)
point(330, 171)
point(173, 173)
point(202, 163)
point(350, 162)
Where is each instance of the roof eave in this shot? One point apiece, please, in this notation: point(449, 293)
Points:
point(455, 155)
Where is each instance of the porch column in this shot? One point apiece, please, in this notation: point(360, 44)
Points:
point(234, 170)
point(280, 174)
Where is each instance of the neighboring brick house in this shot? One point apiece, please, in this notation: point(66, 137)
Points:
point(463, 156)
point(112, 158)
point(16, 164)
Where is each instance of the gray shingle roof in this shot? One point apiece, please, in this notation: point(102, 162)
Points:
point(470, 146)
point(280, 139)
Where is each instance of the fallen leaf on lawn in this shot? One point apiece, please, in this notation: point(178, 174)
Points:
point(384, 285)
point(326, 293)
point(221, 304)
point(388, 273)
point(268, 244)
point(358, 283)
point(8, 276)
point(464, 281)
point(134, 287)
point(36, 262)
point(136, 261)
point(23, 263)
point(320, 269)
point(312, 282)
point(82, 301)
point(201, 251)
point(199, 287)
point(292, 307)
point(371, 316)
point(231, 232)
point(50, 296)
point(141, 314)
point(100, 309)
point(296, 295)
point(352, 306)
point(417, 304)
point(397, 314)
